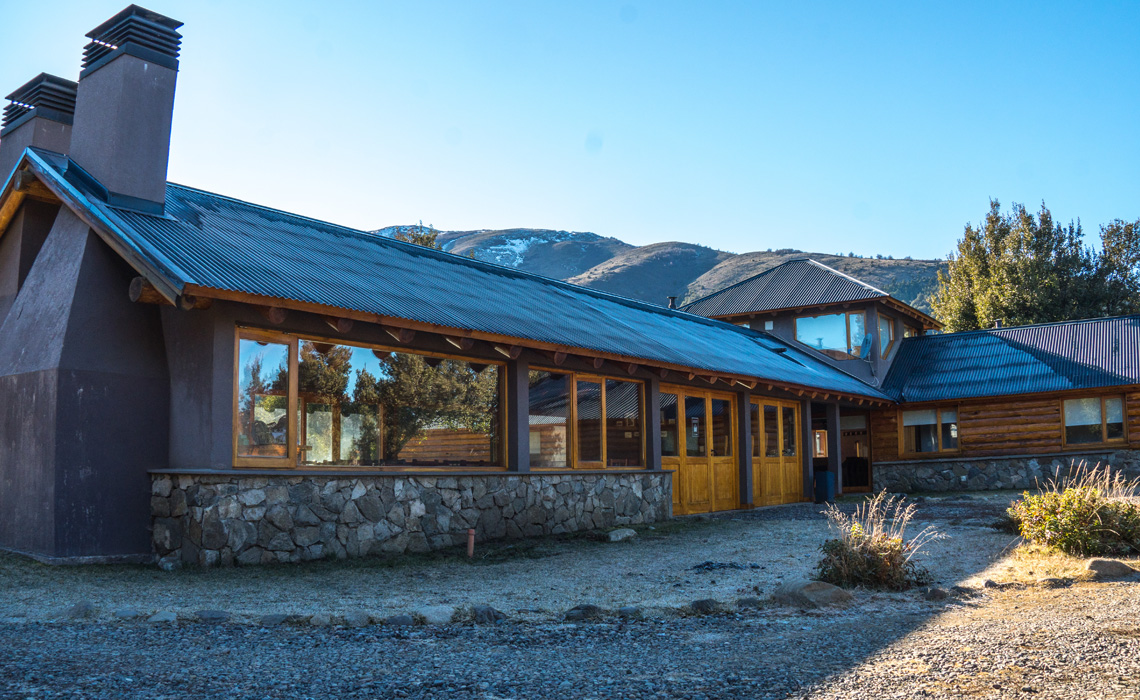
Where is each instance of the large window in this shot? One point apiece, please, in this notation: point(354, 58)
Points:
point(585, 421)
point(355, 406)
point(930, 430)
point(1094, 419)
point(886, 335)
point(670, 426)
point(842, 336)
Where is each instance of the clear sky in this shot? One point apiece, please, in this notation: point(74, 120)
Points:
point(829, 127)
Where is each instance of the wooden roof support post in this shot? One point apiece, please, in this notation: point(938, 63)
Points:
point(274, 314)
point(143, 292)
point(340, 325)
point(461, 343)
point(509, 351)
point(400, 335)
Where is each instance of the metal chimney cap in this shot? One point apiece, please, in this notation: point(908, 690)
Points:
point(137, 31)
point(134, 11)
point(672, 302)
point(46, 95)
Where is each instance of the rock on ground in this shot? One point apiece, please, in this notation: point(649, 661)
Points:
point(436, 614)
point(622, 534)
point(1109, 569)
point(811, 594)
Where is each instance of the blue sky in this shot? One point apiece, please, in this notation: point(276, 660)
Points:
point(829, 127)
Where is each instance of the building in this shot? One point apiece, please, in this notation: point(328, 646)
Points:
point(192, 378)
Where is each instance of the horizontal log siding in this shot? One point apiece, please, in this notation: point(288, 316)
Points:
point(997, 427)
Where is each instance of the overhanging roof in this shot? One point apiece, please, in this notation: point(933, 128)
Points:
point(210, 243)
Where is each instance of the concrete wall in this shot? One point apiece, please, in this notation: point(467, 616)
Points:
point(1023, 472)
point(210, 520)
point(19, 245)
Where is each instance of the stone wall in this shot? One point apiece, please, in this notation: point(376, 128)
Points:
point(993, 473)
point(212, 520)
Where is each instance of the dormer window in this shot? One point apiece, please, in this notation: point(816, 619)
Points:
point(841, 336)
point(886, 335)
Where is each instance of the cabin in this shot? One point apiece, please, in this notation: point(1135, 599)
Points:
point(187, 378)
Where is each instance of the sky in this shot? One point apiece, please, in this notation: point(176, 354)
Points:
point(825, 126)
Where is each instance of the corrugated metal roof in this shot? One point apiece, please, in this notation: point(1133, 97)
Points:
point(789, 285)
point(221, 243)
point(1090, 354)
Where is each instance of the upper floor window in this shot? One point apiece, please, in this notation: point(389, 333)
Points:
point(909, 331)
point(842, 336)
point(930, 430)
point(1094, 419)
point(886, 335)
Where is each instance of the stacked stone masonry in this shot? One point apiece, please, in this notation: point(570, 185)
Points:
point(222, 520)
point(995, 472)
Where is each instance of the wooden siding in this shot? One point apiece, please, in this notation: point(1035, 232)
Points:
point(1001, 426)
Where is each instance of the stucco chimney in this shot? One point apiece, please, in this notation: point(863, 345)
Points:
point(39, 113)
point(124, 106)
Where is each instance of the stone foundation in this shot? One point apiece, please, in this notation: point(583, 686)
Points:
point(993, 473)
point(212, 520)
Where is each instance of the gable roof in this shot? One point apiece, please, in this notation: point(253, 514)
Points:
point(1095, 353)
point(208, 242)
point(792, 285)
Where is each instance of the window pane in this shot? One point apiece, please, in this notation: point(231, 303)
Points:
point(1082, 421)
point(364, 407)
point(920, 431)
point(823, 332)
point(263, 388)
point(695, 426)
point(886, 334)
point(926, 417)
point(1114, 418)
point(723, 430)
point(670, 446)
point(754, 421)
point(589, 421)
point(910, 332)
point(859, 343)
point(789, 432)
point(549, 414)
point(949, 429)
point(623, 423)
point(771, 432)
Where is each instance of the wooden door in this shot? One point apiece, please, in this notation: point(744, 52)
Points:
point(777, 468)
point(698, 431)
point(722, 452)
point(790, 460)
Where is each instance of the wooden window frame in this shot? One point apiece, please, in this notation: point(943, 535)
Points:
point(292, 461)
point(847, 333)
point(938, 432)
point(1103, 422)
point(572, 420)
point(884, 352)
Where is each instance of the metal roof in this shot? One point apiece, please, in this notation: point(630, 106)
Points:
point(793, 284)
point(221, 243)
point(1090, 354)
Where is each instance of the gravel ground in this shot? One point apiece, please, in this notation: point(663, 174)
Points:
point(1080, 640)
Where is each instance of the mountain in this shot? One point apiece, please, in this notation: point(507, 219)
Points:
point(657, 271)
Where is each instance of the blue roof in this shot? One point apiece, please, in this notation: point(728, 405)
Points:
point(216, 242)
point(1092, 354)
point(793, 284)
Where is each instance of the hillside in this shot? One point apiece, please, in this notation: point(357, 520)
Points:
point(657, 271)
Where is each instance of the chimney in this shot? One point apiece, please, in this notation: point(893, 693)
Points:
point(672, 302)
point(39, 113)
point(124, 106)
point(997, 323)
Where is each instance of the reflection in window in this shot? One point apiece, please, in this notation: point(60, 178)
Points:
point(549, 414)
point(754, 427)
point(695, 426)
point(363, 407)
point(670, 446)
point(789, 426)
point(930, 430)
point(771, 432)
point(842, 336)
point(623, 423)
point(589, 408)
point(886, 335)
point(722, 428)
point(1091, 420)
point(263, 388)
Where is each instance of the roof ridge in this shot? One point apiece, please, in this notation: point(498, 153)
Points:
point(744, 281)
point(1070, 322)
point(856, 280)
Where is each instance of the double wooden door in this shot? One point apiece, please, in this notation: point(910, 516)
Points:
point(777, 452)
point(698, 444)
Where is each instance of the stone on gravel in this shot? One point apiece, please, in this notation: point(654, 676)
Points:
point(811, 594)
point(1050, 582)
point(935, 593)
point(82, 609)
point(585, 611)
point(212, 616)
point(401, 620)
point(629, 611)
point(706, 606)
point(436, 614)
point(163, 616)
point(486, 615)
point(357, 618)
point(273, 620)
point(320, 620)
point(749, 603)
point(965, 591)
point(1108, 569)
point(622, 534)
point(127, 614)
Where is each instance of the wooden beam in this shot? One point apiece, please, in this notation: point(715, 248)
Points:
point(662, 372)
point(340, 325)
point(143, 292)
point(598, 362)
point(557, 357)
point(186, 302)
point(747, 384)
point(27, 183)
point(711, 379)
point(463, 343)
point(400, 335)
point(631, 368)
point(274, 314)
point(692, 376)
point(509, 351)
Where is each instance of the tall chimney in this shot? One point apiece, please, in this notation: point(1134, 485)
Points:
point(124, 106)
point(39, 113)
point(672, 302)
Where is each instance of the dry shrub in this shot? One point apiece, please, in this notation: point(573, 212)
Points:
point(1089, 512)
point(872, 549)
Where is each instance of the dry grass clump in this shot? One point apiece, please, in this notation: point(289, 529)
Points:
point(872, 549)
point(1090, 512)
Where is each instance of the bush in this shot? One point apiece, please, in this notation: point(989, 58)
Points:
point(872, 550)
point(1089, 513)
